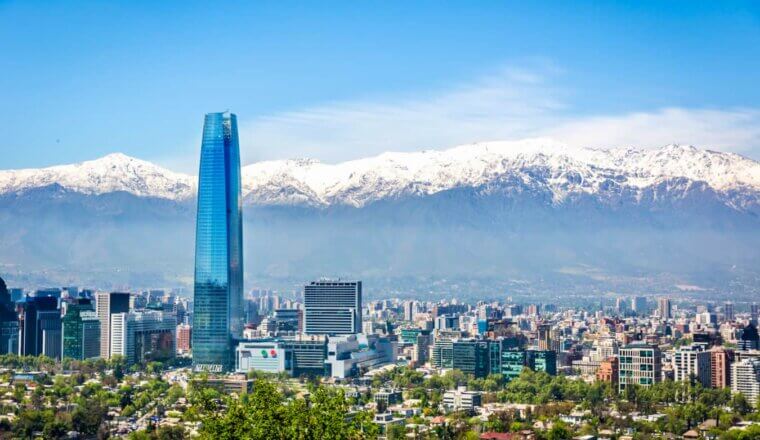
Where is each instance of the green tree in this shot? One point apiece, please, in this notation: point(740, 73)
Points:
point(264, 414)
point(559, 431)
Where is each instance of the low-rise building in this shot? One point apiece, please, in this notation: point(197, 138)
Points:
point(462, 400)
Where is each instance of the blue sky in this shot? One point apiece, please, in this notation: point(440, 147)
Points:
point(342, 80)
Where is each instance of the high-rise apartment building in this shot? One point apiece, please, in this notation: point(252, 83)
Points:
point(218, 317)
point(81, 331)
point(745, 379)
point(640, 364)
point(544, 337)
point(333, 307)
point(604, 348)
point(106, 305)
point(692, 363)
point(409, 310)
point(720, 367)
point(184, 338)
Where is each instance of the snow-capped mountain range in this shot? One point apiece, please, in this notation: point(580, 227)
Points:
point(536, 211)
point(560, 171)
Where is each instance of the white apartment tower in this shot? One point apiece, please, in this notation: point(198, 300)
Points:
point(692, 362)
point(745, 379)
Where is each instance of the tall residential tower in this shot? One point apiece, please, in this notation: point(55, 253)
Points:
point(218, 295)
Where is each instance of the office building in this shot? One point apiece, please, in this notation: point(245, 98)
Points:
point(664, 310)
point(333, 307)
point(692, 363)
point(498, 346)
point(40, 326)
point(639, 305)
point(106, 305)
point(49, 332)
point(308, 355)
point(640, 364)
point(266, 355)
point(81, 331)
point(472, 357)
point(409, 335)
point(720, 367)
point(749, 339)
point(353, 355)
point(446, 322)
point(218, 317)
point(728, 312)
point(421, 353)
point(16, 293)
point(512, 310)
point(442, 352)
point(285, 322)
point(745, 379)
point(512, 363)
point(620, 305)
point(9, 326)
point(542, 360)
point(143, 336)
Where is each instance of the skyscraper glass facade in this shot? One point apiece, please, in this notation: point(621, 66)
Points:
point(81, 331)
point(218, 296)
point(8, 322)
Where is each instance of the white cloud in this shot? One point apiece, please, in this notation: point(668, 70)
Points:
point(513, 103)
point(505, 105)
point(735, 130)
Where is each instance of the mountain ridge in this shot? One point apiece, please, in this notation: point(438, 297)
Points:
point(565, 173)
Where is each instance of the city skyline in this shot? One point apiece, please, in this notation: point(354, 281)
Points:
point(495, 226)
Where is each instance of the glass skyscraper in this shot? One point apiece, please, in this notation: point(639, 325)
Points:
point(8, 322)
point(81, 331)
point(218, 317)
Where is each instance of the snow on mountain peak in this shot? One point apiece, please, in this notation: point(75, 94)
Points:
point(111, 173)
point(538, 164)
point(541, 162)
